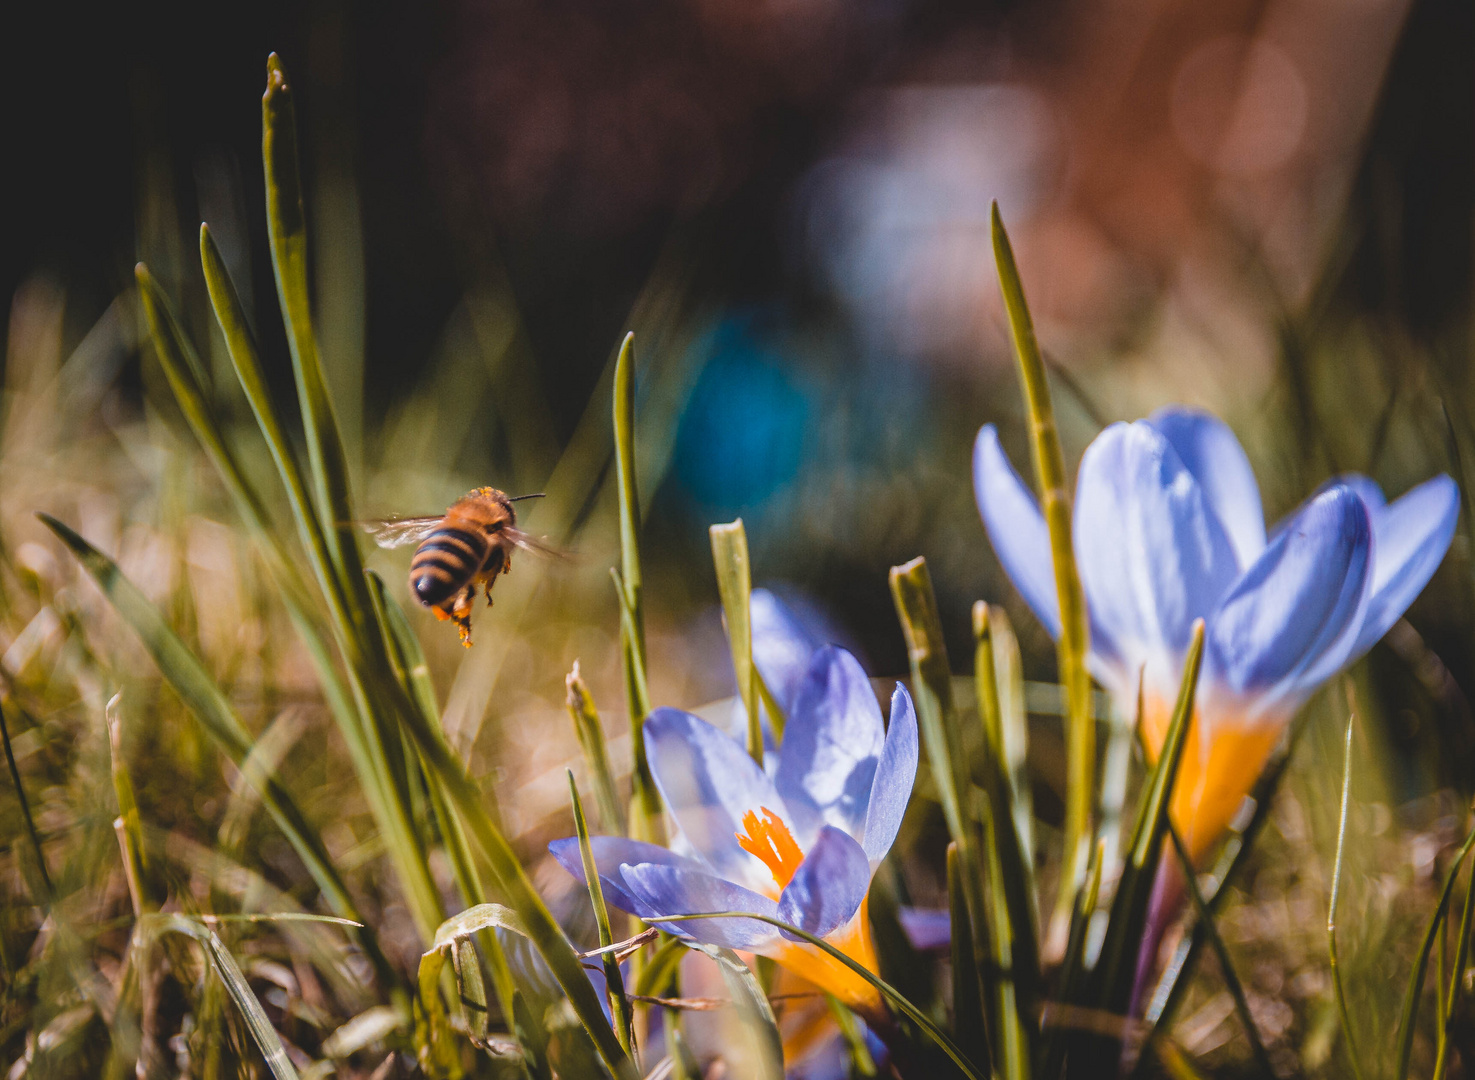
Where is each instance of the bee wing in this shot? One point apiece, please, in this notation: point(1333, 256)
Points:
point(397, 532)
point(535, 544)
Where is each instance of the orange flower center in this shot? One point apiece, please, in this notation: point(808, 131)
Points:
point(770, 840)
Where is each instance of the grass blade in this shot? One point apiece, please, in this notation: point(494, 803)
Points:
point(766, 1060)
point(1409, 1011)
point(1226, 964)
point(932, 689)
point(383, 780)
point(129, 824)
point(413, 671)
point(890, 993)
point(512, 881)
point(257, 1022)
point(286, 223)
point(969, 1026)
point(1116, 970)
point(735, 587)
point(33, 838)
point(646, 805)
point(1049, 462)
point(614, 983)
point(590, 730)
point(1353, 1055)
point(1009, 881)
point(1014, 728)
point(1456, 978)
point(210, 707)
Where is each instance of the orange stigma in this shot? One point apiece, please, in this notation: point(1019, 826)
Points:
point(771, 841)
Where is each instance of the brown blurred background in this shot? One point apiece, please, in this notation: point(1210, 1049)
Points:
point(1263, 208)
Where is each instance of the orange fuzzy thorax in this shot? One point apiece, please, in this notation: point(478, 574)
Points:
point(770, 841)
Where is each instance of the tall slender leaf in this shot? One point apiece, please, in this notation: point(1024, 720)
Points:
point(590, 730)
point(1049, 462)
point(43, 877)
point(1409, 1011)
point(1013, 943)
point(257, 1022)
point(735, 587)
point(645, 809)
point(1115, 971)
point(969, 1027)
point(932, 688)
point(614, 982)
point(210, 706)
point(1353, 1055)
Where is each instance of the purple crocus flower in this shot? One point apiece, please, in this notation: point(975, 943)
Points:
point(800, 844)
point(1168, 528)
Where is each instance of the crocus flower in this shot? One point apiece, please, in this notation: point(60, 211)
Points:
point(1168, 528)
point(800, 845)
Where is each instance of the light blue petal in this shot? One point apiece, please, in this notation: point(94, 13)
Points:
point(826, 891)
point(927, 929)
point(1301, 602)
point(1153, 555)
point(672, 890)
point(1016, 528)
point(782, 646)
point(709, 782)
point(1209, 450)
point(610, 853)
point(831, 746)
point(895, 775)
point(1410, 538)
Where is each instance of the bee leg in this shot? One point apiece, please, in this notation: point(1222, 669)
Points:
point(461, 614)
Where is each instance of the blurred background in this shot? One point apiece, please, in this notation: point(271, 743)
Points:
point(1263, 208)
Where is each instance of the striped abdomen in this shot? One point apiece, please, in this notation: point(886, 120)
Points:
point(447, 560)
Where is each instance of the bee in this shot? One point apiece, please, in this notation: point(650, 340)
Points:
point(468, 546)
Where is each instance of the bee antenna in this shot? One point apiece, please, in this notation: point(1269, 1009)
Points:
point(519, 498)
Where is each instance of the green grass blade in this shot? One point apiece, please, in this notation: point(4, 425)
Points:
point(932, 690)
point(413, 671)
point(246, 360)
point(766, 1057)
point(614, 982)
point(512, 881)
point(1116, 968)
point(1353, 1055)
point(435, 1044)
point(1009, 881)
point(210, 706)
point(735, 587)
point(645, 807)
point(970, 1029)
point(257, 1022)
point(286, 223)
point(590, 730)
point(33, 838)
point(129, 824)
point(1226, 963)
point(1014, 727)
point(862, 1064)
point(1409, 1012)
point(1456, 977)
point(331, 546)
point(1049, 462)
point(886, 990)
point(174, 351)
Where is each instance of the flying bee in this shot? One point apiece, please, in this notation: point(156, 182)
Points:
point(469, 545)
